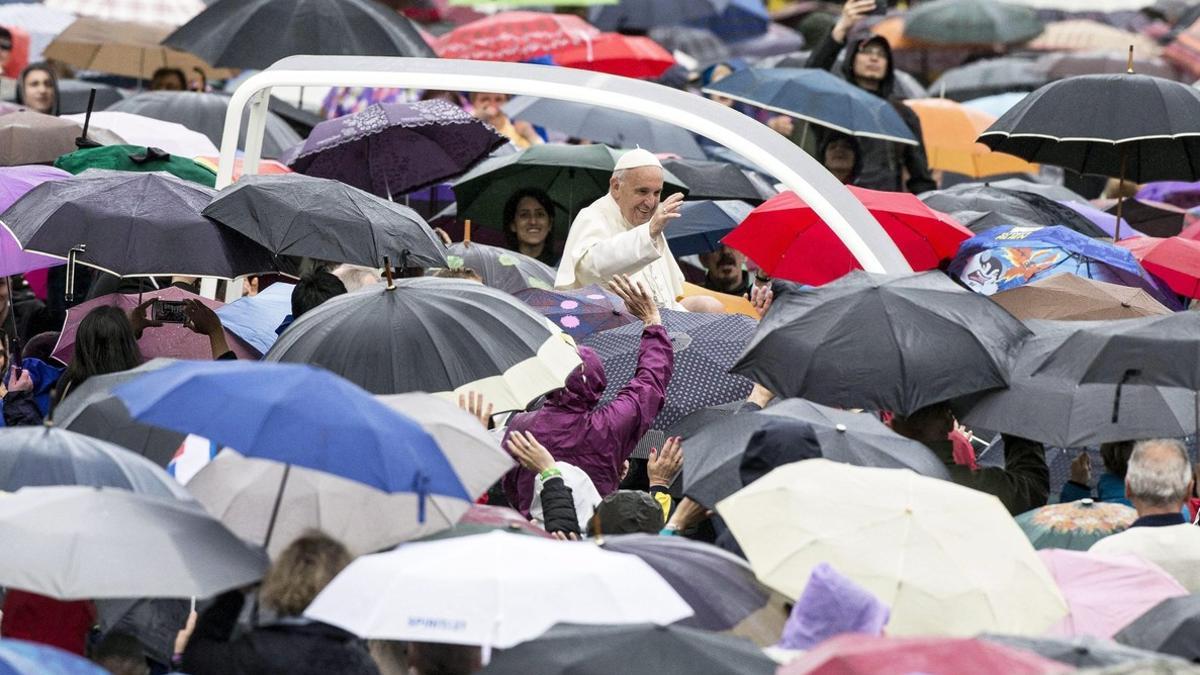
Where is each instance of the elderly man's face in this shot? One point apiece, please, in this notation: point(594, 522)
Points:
point(637, 192)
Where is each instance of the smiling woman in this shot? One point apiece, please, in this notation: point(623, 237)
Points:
point(529, 225)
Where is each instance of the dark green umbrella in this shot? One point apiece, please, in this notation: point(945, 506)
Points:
point(972, 22)
point(573, 175)
point(135, 158)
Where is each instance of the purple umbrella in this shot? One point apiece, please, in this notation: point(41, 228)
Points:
point(1174, 192)
point(1103, 220)
point(15, 181)
point(392, 148)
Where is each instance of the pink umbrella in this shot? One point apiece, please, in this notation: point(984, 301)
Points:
point(171, 340)
point(15, 181)
point(1105, 593)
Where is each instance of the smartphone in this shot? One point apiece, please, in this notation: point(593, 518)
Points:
point(170, 311)
point(880, 9)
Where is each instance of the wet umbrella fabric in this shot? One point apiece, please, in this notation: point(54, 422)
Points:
point(627, 55)
point(978, 22)
point(646, 14)
point(699, 43)
point(501, 268)
point(255, 318)
point(19, 657)
point(28, 137)
point(862, 654)
point(1157, 350)
point(1077, 652)
point(580, 312)
point(15, 182)
point(205, 113)
point(740, 20)
point(135, 158)
point(869, 341)
point(1170, 627)
point(719, 181)
point(702, 225)
point(1067, 297)
point(1028, 206)
point(173, 138)
point(513, 36)
point(617, 128)
point(1175, 261)
point(1075, 526)
point(989, 77)
point(298, 215)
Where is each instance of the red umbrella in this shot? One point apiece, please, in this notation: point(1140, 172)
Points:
point(1175, 260)
point(787, 239)
point(514, 36)
point(854, 654)
point(617, 54)
point(501, 518)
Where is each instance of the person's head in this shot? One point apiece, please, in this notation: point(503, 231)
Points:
point(724, 266)
point(637, 185)
point(528, 219)
point(121, 654)
point(313, 289)
point(1116, 457)
point(199, 80)
point(1159, 478)
point(928, 425)
point(871, 62)
point(627, 512)
point(714, 74)
point(839, 154)
point(40, 346)
point(104, 343)
point(37, 88)
point(6, 46)
point(486, 106)
point(168, 79)
point(302, 570)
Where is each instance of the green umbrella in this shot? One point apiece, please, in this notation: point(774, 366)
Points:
point(1074, 525)
point(972, 22)
point(573, 175)
point(135, 158)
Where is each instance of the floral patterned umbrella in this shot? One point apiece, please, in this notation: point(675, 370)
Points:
point(581, 312)
point(1075, 525)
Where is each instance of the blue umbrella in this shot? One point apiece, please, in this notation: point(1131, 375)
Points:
point(819, 97)
point(702, 223)
point(18, 657)
point(295, 414)
point(741, 20)
point(255, 318)
point(647, 14)
point(1007, 257)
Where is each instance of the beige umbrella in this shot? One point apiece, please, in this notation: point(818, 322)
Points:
point(947, 559)
point(1068, 297)
point(124, 48)
point(28, 137)
point(1079, 35)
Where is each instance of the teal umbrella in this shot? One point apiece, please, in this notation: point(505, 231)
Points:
point(972, 22)
point(135, 158)
point(1075, 525)
point(573, 175)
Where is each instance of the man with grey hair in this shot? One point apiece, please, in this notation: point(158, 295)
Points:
point(1158, 483)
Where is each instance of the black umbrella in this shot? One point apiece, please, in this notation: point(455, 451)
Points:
point(501, 268)
point(132, 224)
point(1022, 205)
point(1170, 627)
point(433, 335)
point(638, 648)
point(719, 180)
point(699, 43)
point(717, 463)
point(890, 342)
point(154, 622)
point(987, 77)
point(205, 113)
point(1084, 651)
point(1056, 192)
point(257, 33)
point(297, 215)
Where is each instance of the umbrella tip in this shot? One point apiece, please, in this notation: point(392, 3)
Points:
point(1087, 501)
point(841, 428)
point(1129, 63)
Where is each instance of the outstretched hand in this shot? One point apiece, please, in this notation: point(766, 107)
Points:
point(665, 464)
point(137, 317)
point(761, 297)
point(528, 452)
point(852, 12)
point(474, 403)
point(637, 299)
point(667, 211)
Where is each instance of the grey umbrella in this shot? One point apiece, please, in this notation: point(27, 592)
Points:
point(1153, 350)
point(501, 268)
point(987, 77)
point(1056, 192)
point(1022, 204)
point(719, 180)
point(699, 43)
point(1170, 627)
point(80, 542)
point(617, 128)
point(205, 113)
point(1083, 651)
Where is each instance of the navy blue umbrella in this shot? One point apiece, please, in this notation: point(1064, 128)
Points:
point(702, 223)
point(647, 14)
point(740, 20)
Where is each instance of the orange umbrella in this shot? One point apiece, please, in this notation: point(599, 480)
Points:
point(949, 130)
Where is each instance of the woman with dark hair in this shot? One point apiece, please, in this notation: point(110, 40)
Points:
point(529, 225)
point(105, 342)
point(37, 88)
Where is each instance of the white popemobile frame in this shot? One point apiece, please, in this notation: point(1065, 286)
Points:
point(798, 171)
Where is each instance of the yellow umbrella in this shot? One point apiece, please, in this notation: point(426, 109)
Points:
point(947, 559)
point(949, 130)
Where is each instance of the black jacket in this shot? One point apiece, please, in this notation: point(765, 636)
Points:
point(558, 507)
point(883, 162)
point(1022, 485)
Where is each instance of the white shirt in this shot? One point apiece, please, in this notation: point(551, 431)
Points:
point(602, 244)
point(1175, 548)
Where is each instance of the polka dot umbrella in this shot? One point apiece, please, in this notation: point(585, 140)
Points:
point(580, 312)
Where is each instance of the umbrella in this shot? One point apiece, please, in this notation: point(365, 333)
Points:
point(989, 77)
point(1175, 260)
point(75, 95)
point(627, 55)
point(18, 657)
point(787, 239)
point(1152, 218)
point(255, 318)
point(1101, 219)
point(28, 137)
point(125, 47)
point(819, 97)
point(1074, 526)
point(998, 104)
point(501, 518)
point(631, 649)
point(477, 590)
point(949, 130)
point(700, 44)
point(513, 36)
point(1056, 192)
point(205, 113)
point(1182, 51)
point(501, 268)
point(642, 15)
point(778, 40)
point(170, 137)
point(297, 215)
point(863, 654)
point(1078, 652)
point(133, 158)
point(1184, 194)
point(580, 312)
point(719, 180)
point(716, 453)
point(702, 224)
point(947, 559)
point(1004, 258)
point(15, 182)
point(1014, 203)
point(435, 335)
point(573, 175)
point(1170, 627)
point(1155, 350)
point(132, 224)
point(392, 148)
point(265, 166)
point(1105, 593)
point(706, 345)
point(739, 20)
point(1067, 297)
point(230, 34)
point(1082, 35)
point(870, 341)
point(971, 22)
point(618, 128)
point(83, 542)
point(1059, 65)
point(169, 12)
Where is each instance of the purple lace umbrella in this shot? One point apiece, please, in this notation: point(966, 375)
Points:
point(392, 148)
point(15, 181)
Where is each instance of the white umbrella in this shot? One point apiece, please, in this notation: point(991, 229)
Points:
point(947, 559)
point(174, 138)
point(495, 590)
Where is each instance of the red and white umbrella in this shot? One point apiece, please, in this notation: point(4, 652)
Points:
point(514, 36)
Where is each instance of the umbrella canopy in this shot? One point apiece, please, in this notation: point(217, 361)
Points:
point(1110, 60)
point(501, 268)
point(580, 312)
point(230, 34)
point(297, 215)
point(205, 113)
point(392, 148)
point(133, 158)
point(1105, 593)
point(627, 55)
point(434, 335)
point(254, 318)
point(971, 22)
point(132, 224)
point(868, 340)
point(1170, 627)
point(617, 128)
point(642, 15)
point(1067, 297)
point(168, 12)
point(1056, 192)
point(1152, 218)
point(1174, 260)
point(706, 345)
point(1011, 203)
point(988, 77)
point(1082, 35)
point(15, 182)
point(997, 104)
point(629, 649)
point(1184, 194)
point(719, 180)
point(28, 137)
point(702, 224)
point(514, 36)
point(476, 591)
point(1074, 526)
point(83, 542)
point(701, 44)
point(739, 20)
point(1101, 219)
point(1155, 350)
point(787, 239)
point(778, 40)
point(863, 654)
point(949, 130)
point(19, 657)
point(1078, 652)
point(819, 97)
point(125, 47)
point(483, 518)
point(170, 137)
